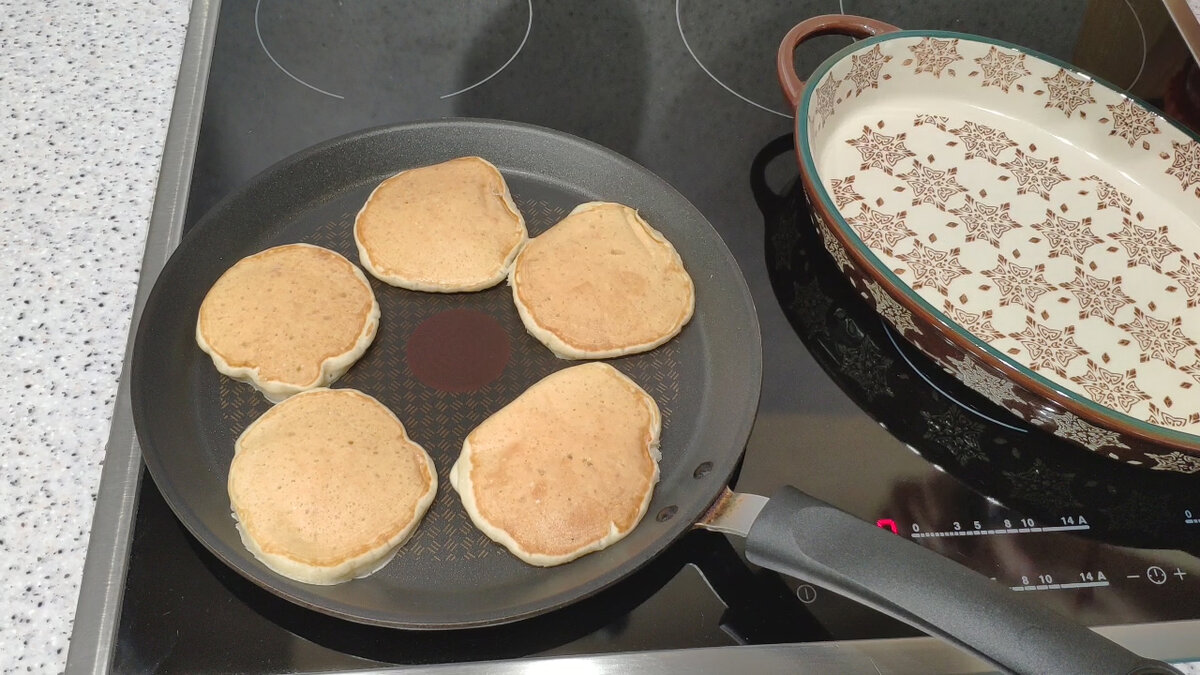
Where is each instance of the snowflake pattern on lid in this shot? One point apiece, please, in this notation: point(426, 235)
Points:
point(1175, 461)
point(1019, 285)
point(880, 230)
point(1071, 238)
point(843, 191)
point(825, 99)
point(1097, 297)
point(880, 151)
point(983, 141)
point(1188, 276)
point(979, 324)
point(1158, 338)
point(933, 55)
point(932, 186)
point(1038, 176)
point(1163, 419)
point(1131, 121)
point(1001, 69)
point(1067, 92)
point(1115, 390)
point(994, 388)
point(864, 69)
point(833, 246)
point(1049, 348)
point(1194, 369)
point(1186, 166)
point(1145, 246)
point(1073, 428)
point(1052, 230)
point(932, 267)
point(1108, 196)
point(984, 221)
point(887, 306)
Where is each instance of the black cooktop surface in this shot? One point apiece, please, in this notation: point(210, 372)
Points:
point(848, 413)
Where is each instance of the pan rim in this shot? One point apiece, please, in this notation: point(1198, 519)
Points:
point(719, 472)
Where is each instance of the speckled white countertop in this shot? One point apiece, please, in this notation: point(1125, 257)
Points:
point(85, 95)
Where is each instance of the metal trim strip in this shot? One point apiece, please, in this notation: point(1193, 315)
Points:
point(98, 611)
point(1187, 23)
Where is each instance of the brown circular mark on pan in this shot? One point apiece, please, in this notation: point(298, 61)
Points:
point(458, 351)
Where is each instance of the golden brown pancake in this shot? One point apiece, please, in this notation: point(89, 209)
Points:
point(601, 283)
point(326, 486)
point(288, 319)
point(565, 469)
point(443, 228)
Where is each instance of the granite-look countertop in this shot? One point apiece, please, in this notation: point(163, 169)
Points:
point(85, 95)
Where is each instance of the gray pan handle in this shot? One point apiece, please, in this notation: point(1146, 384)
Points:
point(806, 538)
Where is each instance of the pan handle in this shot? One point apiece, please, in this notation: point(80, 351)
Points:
point(804, 537)
point(826, 24)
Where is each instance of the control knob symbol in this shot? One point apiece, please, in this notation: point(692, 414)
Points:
point(1156, 575)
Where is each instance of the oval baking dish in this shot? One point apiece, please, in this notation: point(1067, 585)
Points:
point(1031, 228)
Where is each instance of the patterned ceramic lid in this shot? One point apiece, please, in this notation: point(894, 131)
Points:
point(1043, 220)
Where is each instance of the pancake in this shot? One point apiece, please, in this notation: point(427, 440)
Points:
point(326, 486)
point(567, 468)
point(444, 228)
point(288, 319)
point(601, 283)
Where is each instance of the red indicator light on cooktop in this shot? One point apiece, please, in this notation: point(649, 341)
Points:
point(888, 524)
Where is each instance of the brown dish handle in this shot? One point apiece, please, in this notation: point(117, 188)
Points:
point(826, 24)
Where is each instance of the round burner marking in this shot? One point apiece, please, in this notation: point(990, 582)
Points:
point(888, 330)
point(1142, 33)
point(528, 28)
point(679, 24)
point(458, 351)
point(262, 44)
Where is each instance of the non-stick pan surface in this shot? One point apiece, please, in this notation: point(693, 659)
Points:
point(449, 575)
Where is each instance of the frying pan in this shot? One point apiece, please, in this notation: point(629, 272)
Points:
point(706, 382)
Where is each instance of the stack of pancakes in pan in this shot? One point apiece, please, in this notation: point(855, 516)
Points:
point(326, 485)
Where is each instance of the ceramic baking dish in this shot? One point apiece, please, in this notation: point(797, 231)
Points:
point(1028, 226)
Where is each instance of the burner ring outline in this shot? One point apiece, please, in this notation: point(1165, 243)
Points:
point(263, 45)
point(528, 28)
point(258, 33)
point(679, 24)
point(891, 336)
